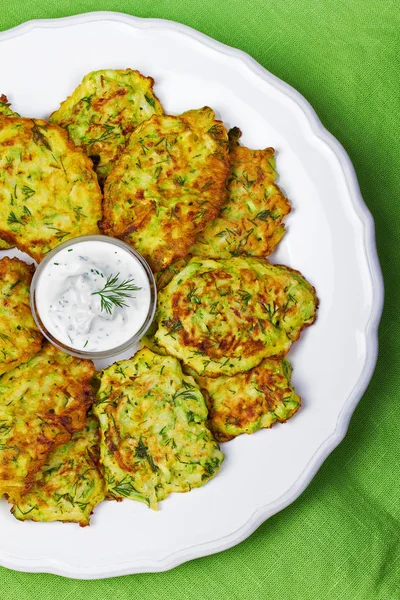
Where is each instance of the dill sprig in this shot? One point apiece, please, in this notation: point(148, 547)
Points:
point(113, 293)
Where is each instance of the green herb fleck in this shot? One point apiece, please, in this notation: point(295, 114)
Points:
point(78, 213)
point(28, 192)
point(264, 215)
point(173, 325)
point(87, 100)
point(245, 296)
point(15, 284)
point(157, 172)
point(192, 296)
point(207, 185)
point(150, 100)
point(13, 219)
point(179, 180)
point(141, 452)
point(60, 234)
point(38, 136)
point(125, 488)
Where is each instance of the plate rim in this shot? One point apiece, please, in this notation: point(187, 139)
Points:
point(174, 559)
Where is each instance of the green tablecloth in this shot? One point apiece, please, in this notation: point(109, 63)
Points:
point(340, 540)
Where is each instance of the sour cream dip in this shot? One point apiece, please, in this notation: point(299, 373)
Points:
point(93, 294)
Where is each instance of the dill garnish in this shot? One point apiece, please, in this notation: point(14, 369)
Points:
point(113, 293)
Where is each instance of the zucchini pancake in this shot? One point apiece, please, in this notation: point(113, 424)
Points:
point(103, 111)
point(154, 437)
point(70, 484)
point(168, 184)
point(226, 316)
point(42, 403)
point(247, 402)
point(48, 190)
point(20, 339)
point(7, 112)
point(250, 219)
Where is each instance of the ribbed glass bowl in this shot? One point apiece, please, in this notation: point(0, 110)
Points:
point(111, 351)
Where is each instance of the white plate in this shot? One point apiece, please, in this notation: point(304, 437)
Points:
point(330, 239)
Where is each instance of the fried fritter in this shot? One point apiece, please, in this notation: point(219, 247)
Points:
point(5, 107)
point(226, 316)
point(70, 484)
point(20, 339)
point(7, 112)
point(247, 402)
point(154, 437)
point(168, 183)
point(48, 190)
point(103, 111)
point(250, 220)
point(42, 403)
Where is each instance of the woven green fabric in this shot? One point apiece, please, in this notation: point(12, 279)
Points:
point(340, 539)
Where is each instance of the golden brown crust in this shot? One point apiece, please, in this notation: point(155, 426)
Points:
point(247, 402)
point(20, 339)
point(226, 316)
point(42, 403)
point(69, 485)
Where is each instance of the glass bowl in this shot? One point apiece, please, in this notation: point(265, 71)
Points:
point(109, 352)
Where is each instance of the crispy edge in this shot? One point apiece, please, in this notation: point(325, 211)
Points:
point(4, 101)
point(37, 343)
point(87, 396)
point(98, 467)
